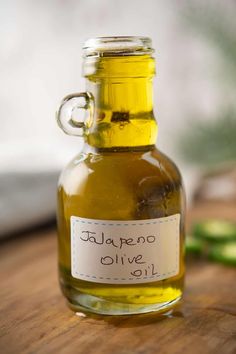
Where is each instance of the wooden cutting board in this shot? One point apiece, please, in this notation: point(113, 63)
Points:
point(35, 319)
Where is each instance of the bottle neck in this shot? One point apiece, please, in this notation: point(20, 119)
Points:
point(123, 106)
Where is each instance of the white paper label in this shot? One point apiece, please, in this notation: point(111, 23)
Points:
point(124, 252)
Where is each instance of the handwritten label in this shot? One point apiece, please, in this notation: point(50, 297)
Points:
point(125, 252)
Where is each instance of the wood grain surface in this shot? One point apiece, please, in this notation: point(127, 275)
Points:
point(35, 318)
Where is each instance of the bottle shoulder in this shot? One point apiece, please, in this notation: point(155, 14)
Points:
point(121, 167)
point(122, 185)
point(166, 163)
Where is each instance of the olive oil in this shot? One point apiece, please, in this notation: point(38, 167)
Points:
point(120, 192)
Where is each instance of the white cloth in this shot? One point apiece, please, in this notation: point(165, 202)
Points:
point(29, 172)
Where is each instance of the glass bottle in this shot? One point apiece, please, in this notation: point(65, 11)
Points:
point(120, 200)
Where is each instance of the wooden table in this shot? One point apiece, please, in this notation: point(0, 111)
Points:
point(35, 318)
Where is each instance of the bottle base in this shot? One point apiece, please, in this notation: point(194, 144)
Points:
point(93, 304)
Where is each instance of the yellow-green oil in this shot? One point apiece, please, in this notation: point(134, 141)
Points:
point(119, 175)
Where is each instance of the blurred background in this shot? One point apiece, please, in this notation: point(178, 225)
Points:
point(195, 95)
